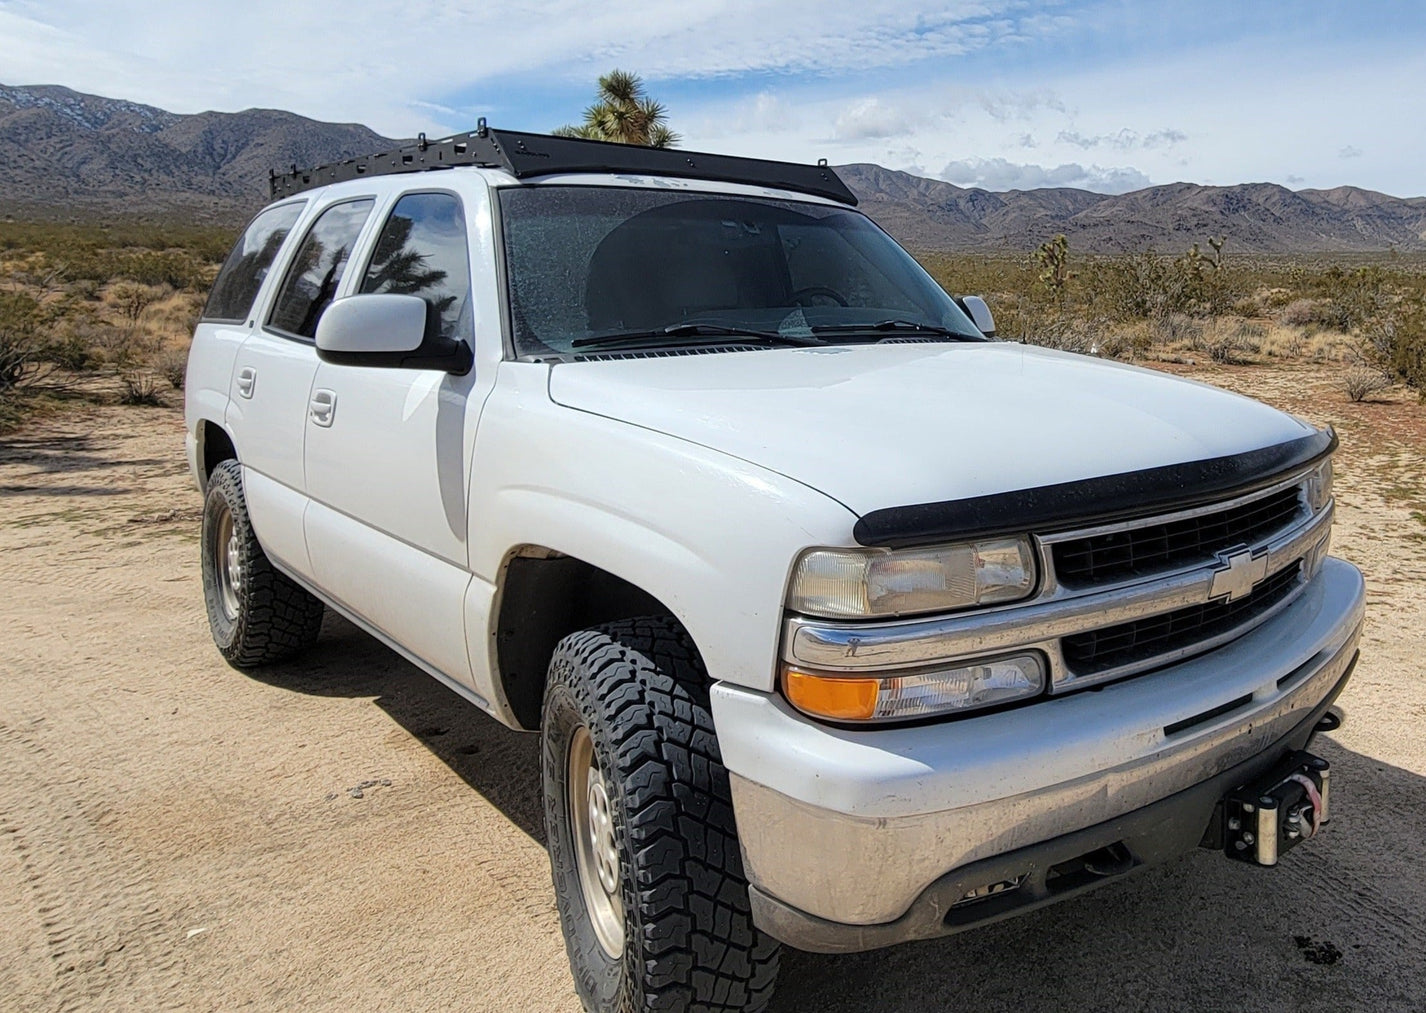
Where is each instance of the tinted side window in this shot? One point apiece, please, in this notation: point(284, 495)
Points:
point(422, 251)
point(243, 272)
point(316, 270)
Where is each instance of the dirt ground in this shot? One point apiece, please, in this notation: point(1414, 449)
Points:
point(343, 833)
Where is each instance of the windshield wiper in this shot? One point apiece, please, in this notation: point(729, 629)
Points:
point(695, 334)
point(892, 325)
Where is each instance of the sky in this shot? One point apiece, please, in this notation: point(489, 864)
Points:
point(1107, 95)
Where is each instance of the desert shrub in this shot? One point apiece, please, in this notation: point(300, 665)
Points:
point(1227, 348)
point(1309, 312)
point(173, 366)
point(1405, 355)
point(20, 317)
point(1283, 342)
point(132, 298)
point(1176, 328)
point(1148, 286)
point(69, 352)
point(1361, 382)
point(139, 387)
point(1355, 297)
point(84, 289)
point(1065, 331)
point(174, 268)
point(119, 347)
point(1270, 299)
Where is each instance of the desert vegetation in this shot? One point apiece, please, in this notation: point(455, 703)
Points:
point(106, 312)
point(1366, 317)
point(88, 311)
point(623, 113)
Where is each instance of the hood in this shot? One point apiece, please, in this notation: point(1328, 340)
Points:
point(880, 426)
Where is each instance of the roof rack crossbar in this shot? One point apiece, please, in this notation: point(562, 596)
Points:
point(527, 155)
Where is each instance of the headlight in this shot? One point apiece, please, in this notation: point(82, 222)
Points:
point(1319, 486)
point(856, 583)
point(924, 693)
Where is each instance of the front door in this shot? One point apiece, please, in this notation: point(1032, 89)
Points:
point(387, 468)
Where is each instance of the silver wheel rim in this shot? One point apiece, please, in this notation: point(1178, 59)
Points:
point(228, 562)
point(596, 853)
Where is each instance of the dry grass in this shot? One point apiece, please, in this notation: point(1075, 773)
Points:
point(140, 387)
point(118, 305)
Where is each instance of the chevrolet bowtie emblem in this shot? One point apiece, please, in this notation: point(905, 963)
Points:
point(1240, 572)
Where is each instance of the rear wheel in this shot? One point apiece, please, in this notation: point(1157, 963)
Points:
point(643, 849)
point(257, 614)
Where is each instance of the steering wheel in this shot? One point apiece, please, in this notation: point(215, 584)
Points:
point(816, 292)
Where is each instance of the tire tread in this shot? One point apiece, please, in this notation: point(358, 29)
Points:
point(277, 617)
point(701, 950)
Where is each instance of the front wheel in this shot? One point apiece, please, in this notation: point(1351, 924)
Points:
point(644, 853)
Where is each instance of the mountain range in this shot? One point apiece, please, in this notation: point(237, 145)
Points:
point(68, 155)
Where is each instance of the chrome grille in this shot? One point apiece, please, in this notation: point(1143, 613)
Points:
point(1157, 548)
point(1127, 643)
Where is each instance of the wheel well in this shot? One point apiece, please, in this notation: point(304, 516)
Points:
point(217, 447)
point(544, 598)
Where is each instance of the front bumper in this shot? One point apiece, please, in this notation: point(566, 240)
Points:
point(850, 837)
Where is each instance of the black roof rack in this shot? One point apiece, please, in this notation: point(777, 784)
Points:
point(525, 155)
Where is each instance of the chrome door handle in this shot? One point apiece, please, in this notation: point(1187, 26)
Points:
point(247, 381)
point(323, 407)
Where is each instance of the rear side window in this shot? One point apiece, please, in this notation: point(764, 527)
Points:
point(422, 251)
point(243, 272)
point(317, 268)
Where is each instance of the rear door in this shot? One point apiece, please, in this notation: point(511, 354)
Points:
point(388, 472)
point(228, 318)
point(273, 378)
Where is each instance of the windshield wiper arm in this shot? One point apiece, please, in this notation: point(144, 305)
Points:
point(892, 325)
point(695, 334)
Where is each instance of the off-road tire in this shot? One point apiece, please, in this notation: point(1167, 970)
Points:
point(640, 690)
point(274, 616)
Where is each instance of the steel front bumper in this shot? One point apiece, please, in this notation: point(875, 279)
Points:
point(860, 838)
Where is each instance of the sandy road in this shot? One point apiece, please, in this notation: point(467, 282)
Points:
point(343, 833)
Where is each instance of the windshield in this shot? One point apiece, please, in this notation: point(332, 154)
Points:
point(594, 267)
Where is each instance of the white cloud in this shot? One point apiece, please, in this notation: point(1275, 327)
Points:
point(1018, 105)
point(1349, 151)
point(367, 59)
point(868, 118)
point(1123, 140)
point(1000, 174)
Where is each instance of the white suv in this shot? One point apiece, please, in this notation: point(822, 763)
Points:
point(841, 623)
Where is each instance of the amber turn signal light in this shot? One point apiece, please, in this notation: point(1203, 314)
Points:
point(836, 698)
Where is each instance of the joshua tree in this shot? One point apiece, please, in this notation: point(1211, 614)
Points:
point(1053, 261)
point(624, 114)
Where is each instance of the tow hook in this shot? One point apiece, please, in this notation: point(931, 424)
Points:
point(1329, 722)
